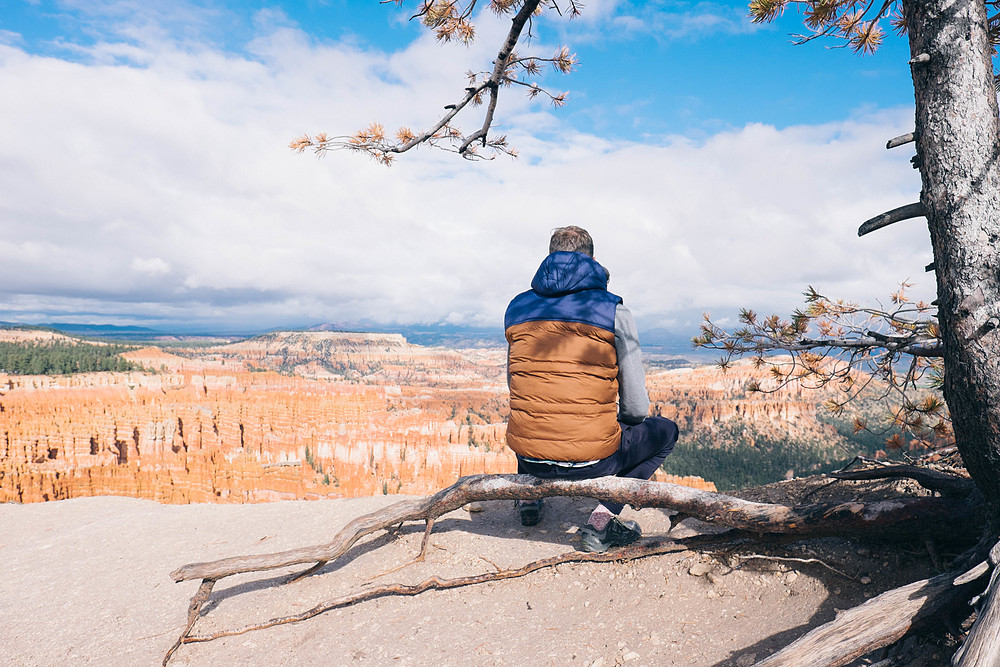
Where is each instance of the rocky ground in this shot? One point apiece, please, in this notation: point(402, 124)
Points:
point(86, 581)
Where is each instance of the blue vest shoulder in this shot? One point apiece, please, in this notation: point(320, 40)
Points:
point(592, 306)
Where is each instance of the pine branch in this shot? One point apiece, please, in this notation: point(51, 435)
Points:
point(373, 142)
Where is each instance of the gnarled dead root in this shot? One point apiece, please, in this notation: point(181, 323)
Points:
point(899, 516)
point(643, 549)
point(908, 516)
point(875, 624)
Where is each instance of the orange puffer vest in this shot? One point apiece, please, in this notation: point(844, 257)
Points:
point(562, 363)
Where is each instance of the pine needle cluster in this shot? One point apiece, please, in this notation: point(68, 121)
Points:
point(891, 353)
point(856, 23)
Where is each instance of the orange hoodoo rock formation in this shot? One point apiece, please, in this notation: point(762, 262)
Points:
point(704, 396)
point(349, 415)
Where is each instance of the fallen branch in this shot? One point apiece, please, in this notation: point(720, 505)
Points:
point(875, 624)
point(899, 516)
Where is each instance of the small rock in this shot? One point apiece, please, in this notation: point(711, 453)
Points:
point(746, 660)
point(475, 507)
point(865, 580)
point(572, 529)
point(598, 663)
point(621, 644)
point(864, 551)
point(631, 655)
point(700, 569)
point(586, 603)
point(791, 577)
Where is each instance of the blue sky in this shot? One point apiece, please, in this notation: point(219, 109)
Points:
point(145, 176)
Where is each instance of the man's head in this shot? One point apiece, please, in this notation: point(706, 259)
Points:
point(572, 239)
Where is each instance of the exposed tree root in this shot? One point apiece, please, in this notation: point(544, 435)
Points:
point(982, 646)
point(194, 608)
point(875, 624)
point(419, 558)
point(641, 549)
point(789, 559)
point(925, 477)
point(899, 516)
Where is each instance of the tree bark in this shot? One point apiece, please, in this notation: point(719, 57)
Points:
point(957, 148)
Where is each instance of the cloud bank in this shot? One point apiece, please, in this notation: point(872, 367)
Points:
point(148, 181)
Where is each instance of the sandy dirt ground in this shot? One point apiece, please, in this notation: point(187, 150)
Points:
point(86, 581)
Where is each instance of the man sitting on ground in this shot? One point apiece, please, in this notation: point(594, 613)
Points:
point(578, 398)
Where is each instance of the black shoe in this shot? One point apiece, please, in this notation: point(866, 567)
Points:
point(531, 511)
point(617, 533)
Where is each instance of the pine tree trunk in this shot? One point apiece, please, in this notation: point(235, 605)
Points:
point(958, 149)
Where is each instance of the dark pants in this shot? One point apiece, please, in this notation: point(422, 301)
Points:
point(643, 448)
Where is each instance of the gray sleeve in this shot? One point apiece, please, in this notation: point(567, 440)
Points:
point(633, 401)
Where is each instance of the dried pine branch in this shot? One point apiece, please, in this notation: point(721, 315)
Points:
point(451, 20)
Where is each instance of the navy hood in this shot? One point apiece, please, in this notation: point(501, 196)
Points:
point(568, 272)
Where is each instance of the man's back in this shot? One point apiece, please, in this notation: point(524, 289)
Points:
point(578, 399)
point(563, 367)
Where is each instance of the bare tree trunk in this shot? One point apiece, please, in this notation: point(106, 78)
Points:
point(958, 145)
point(957, 148)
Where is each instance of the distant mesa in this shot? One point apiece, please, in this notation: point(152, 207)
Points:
point(436, 335)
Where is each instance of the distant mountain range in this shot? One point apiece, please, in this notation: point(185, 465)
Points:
point(658, 341)
point(115, 332)
point(72, 328)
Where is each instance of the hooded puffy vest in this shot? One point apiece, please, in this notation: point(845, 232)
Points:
point(562, 363)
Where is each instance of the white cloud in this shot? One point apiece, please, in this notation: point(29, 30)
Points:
point(153, 266)
point(178, 171)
